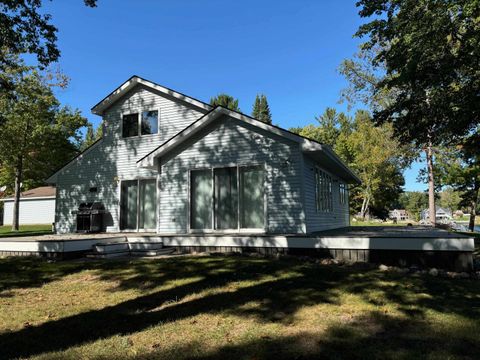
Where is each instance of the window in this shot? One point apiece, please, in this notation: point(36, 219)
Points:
point(130, 125)
point(135, 125)
point(323, 193)
point(138, 208)
point(229, 198)
point(343, 193)
point(149, 122)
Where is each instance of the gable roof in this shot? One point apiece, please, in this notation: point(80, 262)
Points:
point(36, 193)
point(116, 94)
point(308, 146)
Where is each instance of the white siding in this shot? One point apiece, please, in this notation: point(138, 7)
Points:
point(232, 142)
point(114, 158)
point(318, 220)
point(32, 211)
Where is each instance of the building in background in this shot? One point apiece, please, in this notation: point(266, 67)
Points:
point(37, 206)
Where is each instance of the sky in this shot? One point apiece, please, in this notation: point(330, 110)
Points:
point(288, 50)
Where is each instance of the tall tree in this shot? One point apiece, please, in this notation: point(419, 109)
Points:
point(34, 128)
point(91, 136)
point(23, 29)
point(430, 53)
point(459, 167)
point(225, 100)
point(261, 109)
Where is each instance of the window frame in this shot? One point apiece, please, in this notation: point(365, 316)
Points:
point(139, 122)
point(238, 229)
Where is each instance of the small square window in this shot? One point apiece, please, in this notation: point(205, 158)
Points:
point(130, 125)
point(150, 122)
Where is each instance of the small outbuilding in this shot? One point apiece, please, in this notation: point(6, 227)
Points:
point(37, 206)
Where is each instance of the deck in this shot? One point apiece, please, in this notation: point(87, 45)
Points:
point(352, 244)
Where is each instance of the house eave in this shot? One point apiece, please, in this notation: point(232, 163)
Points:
point(116, 94)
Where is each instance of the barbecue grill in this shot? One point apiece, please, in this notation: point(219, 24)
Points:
point(90, 217)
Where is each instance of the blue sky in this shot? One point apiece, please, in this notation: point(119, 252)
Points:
point(288, 50)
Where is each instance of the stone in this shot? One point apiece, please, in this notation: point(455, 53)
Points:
point(433, 272)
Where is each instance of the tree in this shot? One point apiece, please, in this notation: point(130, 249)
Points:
point(261, 110)
point(226, 101)
point(429, 50)
point(459, 168)
point(23, 29)
point(35, 131)
point(91, 136)
point(371, 151)
point(414, 202)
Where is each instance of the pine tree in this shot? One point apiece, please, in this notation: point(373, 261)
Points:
point(261, 110)
point(225, 100)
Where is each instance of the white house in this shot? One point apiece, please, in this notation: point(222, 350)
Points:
point(37, 206)
point(171, 164)
point(441, 214)
point(398, 214)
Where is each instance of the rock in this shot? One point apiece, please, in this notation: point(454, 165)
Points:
point(383, 267)
point(433, 272)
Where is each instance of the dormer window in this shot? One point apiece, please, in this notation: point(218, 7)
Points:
point(145, 124)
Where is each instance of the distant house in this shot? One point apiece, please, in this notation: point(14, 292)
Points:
point(440, 214)
point(458, 213)
point(398, 214)
point(37, 206)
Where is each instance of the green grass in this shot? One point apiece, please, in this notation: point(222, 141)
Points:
point(26, 230)
point(377, 223)
point(220, 307)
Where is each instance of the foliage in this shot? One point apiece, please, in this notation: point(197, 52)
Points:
point(36, 133)
point(450, 199)
point(414, 202)
point(261, 110)
point(91, 136)
point(371, 151)
point(226, 101)
point(430, 53)
point(24, 29)
point(459, 168)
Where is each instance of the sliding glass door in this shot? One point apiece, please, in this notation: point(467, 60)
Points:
point(229, 198)
point(252, 197)
point(138, 205)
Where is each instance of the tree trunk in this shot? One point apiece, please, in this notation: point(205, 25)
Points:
point(364, 209)
point(16, 203)
point(473, 210)
point(431, 184)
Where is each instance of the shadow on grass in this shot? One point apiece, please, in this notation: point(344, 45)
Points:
point(25, 233)
point(278, 286)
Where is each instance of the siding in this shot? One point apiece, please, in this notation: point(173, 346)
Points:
point(32, 211)
point(317, 220)
point(114, 158)
point(231, 142)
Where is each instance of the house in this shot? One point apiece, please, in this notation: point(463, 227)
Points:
point(398, 214)
point(37, 206)
point(441, 214)
point(171, 164)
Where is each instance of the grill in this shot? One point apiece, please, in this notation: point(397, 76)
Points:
point(90, 217)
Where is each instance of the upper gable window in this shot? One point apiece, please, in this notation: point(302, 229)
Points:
point(145, 123)
point(149, 122)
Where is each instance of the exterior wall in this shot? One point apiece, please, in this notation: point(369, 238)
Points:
point(318, 220)
point(231, 142)
point(114, 158)
point(32, 211)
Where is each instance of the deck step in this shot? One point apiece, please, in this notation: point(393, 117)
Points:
point(140, 238)
point(164, 251)
point(110, 247)
point(143, 245)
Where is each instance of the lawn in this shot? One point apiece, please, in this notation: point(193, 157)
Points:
point(26, 230)
point(231, 307)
